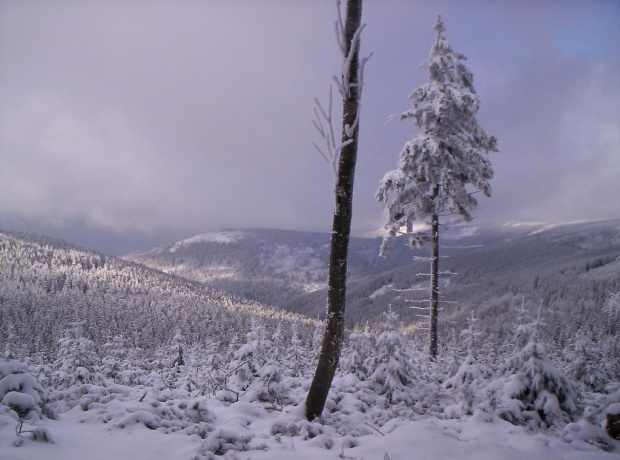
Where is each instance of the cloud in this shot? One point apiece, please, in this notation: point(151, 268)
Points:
point(168, 118)
point(62, 166)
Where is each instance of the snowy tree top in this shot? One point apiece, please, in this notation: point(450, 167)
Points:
point(442, 166)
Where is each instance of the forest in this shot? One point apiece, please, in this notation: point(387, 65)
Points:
point(437, 339)
point(117, 343)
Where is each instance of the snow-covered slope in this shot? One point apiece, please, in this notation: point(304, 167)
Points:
point(566, 265)
point(47, 284)
point(270, 266)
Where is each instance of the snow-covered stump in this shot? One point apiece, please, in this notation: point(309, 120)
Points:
point(612, 423)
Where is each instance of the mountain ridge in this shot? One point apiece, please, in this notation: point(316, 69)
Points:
point(288, 268)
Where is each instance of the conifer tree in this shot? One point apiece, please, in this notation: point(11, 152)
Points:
point(392, 368)
point(441, 167)
point(532, 390)
point(471, 374)
point(77, 362)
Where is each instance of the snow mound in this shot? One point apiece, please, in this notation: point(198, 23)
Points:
point(462, 232)
point(614, 409)
point(381, 291)
point(213, 237)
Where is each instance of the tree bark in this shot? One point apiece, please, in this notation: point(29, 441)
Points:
point(341, 229)
point(434, 301)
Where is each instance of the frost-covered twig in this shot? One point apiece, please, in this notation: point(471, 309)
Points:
point(323, 118)
point(376, 429)
point(323, 123)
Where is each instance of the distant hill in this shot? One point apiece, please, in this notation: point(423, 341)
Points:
point(571, 268)
point(47, 284)
point(266, 265)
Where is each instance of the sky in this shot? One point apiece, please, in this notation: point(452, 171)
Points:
point(124, 125)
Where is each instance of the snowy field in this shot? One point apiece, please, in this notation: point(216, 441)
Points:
point(79, 434)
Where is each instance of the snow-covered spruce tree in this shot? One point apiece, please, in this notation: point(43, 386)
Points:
point(10, 343)
point(588, 365)
point(392, 370)
point(315, 342)
point(471, 375)
point(441, 167)
point(114, 359)
point(77, 362)
point(250, 357)
point(354, 363)
point(612, 305)
point(297, 363)
point(216, 370)
point(276, 352)
point(344, 155)
point(179, 344)
point(532, 390)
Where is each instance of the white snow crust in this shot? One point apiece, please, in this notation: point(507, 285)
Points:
point(213, 237)
point(77, 436)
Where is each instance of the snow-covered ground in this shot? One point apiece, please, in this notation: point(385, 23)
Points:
point(77, 435)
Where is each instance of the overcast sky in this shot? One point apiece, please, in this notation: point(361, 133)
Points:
point(128, 124)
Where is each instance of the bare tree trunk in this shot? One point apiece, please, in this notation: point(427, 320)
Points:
point(434, 280)
point(341, 229)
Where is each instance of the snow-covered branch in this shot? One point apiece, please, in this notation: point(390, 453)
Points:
point(323, 121)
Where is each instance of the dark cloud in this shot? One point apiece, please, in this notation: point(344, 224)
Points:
point(162, 119)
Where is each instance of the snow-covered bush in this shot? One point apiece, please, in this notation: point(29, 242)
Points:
point(21, 393)
point(273, 386)
point(587, 430)
point(167, 411)
point(222, 441)
point(119, 362)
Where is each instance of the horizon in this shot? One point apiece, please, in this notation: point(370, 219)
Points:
point(84, 242)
